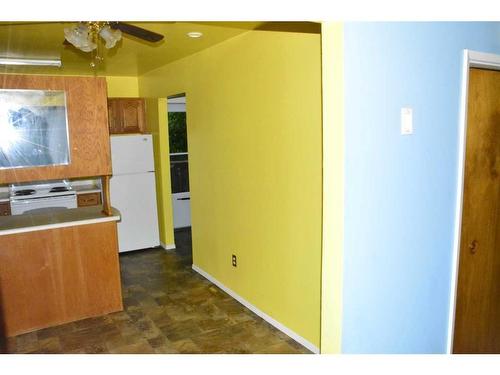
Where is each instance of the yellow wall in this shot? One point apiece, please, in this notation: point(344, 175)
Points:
point(254, 139)
point(157, 125)
point(122, 86)
point(333, 186)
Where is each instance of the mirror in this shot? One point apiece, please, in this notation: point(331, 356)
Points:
point(33, 128)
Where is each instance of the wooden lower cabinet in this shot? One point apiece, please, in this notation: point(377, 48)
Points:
point(88, 199)
point(55, 276)
point(5, 209)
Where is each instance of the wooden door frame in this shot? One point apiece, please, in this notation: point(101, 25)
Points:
point(471, 59)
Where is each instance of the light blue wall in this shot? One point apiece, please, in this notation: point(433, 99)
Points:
point(400, 190)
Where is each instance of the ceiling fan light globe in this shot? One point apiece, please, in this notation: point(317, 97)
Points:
point(89, 47)
point(110, 44)
point(71, 36)
point(110, 36)
point(79, 37)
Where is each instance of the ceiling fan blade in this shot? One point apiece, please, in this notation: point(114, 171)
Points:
point(136, 31)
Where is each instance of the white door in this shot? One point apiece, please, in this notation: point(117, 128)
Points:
point(181, 205)
point(134, 196)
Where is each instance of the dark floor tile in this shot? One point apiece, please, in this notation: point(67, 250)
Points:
point(187, 346)
point(55, 331)
point(279, 348)
point(179, 330)
point(47, 346)
point(139, 347)
point(211, 324)
point(95, 349)
point(158, 341)
point(215, 341)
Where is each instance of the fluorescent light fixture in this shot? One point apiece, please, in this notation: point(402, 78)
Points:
point(194, 34)
point(27, 62)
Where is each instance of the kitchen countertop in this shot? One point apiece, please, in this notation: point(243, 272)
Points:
point(56, 219)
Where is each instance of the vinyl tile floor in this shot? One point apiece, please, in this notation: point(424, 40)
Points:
point(168, 308)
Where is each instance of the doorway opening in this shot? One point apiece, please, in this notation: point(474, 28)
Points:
point(179, 172)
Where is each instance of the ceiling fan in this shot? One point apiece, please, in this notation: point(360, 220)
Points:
point(88, 36)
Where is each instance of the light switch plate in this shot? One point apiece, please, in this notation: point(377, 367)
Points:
point(406, 121)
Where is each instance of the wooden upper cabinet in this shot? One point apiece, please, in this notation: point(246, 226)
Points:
point(114, 116)
point(126, 115)
point(88, 135)
point(133, 115)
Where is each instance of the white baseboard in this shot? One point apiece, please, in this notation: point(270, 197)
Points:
point(168, 247)
point(287, 331)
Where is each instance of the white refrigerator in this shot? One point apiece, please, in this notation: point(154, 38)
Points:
point(133, 191)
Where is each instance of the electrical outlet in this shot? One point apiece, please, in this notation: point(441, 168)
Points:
point(233, 260)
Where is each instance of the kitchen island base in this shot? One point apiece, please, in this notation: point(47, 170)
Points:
point(54, 276)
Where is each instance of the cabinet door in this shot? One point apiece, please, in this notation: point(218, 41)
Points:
point(115, 116)
point(132, 112)
point(88, 199)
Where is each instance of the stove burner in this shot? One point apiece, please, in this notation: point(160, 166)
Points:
point(58, 189)
point(24, 192)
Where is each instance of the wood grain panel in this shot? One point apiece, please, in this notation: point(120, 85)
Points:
point(127, 115)
point(88, 199)
point(55, 276)
point(106, 201)
point(5, 209)
point(477, 320)
point(86, 100)
point(114, 116)
point(133, 115)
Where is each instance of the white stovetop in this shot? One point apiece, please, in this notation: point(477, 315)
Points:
point(40, 189)
point(79, 186)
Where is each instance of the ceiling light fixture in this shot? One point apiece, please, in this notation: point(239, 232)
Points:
point(28, 62)
point(85, 37)
point(194, 34)
point(111, 37)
